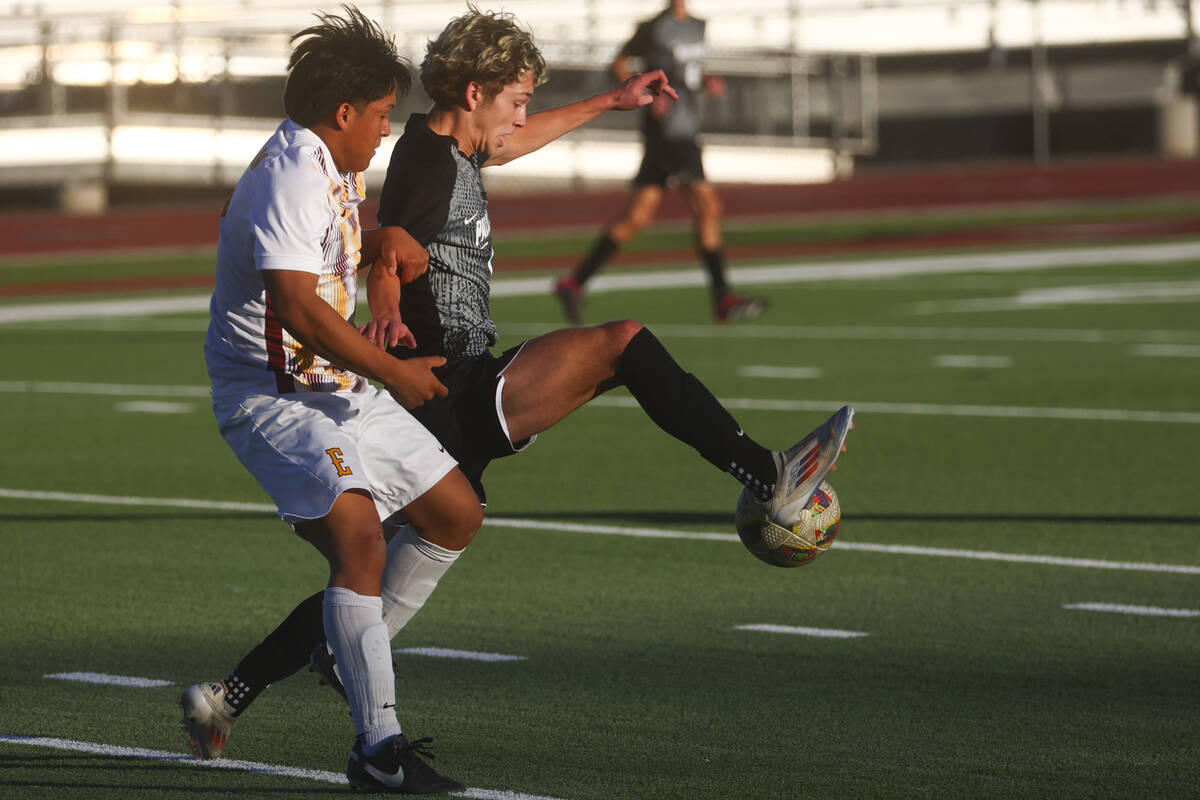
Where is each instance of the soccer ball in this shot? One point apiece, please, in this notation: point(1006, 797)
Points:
point(779, 546)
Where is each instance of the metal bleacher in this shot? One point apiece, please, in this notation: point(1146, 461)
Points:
point(184, 91)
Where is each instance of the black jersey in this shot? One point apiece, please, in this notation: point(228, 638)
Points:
point(436, 194)
point(676, 46)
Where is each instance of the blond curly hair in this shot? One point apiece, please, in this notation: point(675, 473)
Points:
point(486, 47)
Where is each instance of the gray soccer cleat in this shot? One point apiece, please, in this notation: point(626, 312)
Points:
point(207, 719)
point(802, 468)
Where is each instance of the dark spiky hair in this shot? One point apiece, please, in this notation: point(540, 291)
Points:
point(341, 60)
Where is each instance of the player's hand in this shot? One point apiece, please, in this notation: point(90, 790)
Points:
point(388, 331)
point(714, 85)
point(642, 89)
point(414, 382)
point(660, 106)
point(400, 253)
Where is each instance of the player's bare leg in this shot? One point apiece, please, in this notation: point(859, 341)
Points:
point(350, 537)
point(557, 373)
point(705, 204)
point(448, 514)
point(639, 211)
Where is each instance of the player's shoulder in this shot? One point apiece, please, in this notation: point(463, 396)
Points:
point(289, 179)
point(421, 152)
point(295, 155)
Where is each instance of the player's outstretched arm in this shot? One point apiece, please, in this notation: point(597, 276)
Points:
point(386, 329)
point(545, 126)
point(314, 323)
point(396, 250)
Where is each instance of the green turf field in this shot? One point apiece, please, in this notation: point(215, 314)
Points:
point(1020, 549)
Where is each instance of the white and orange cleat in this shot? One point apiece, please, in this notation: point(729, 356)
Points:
point(802, 468)
point(207, 719)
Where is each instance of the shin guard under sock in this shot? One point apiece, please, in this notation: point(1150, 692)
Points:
point(414, 567)
point(358, 638)
point(684, 407)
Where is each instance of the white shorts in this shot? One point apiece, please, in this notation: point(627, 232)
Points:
point(305, 449)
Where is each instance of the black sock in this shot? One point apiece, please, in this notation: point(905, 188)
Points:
point(285, 650)
point(682, 406)
point(714, 263)
point(602, 250)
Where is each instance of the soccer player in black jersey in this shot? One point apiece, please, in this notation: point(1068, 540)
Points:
point(481, 73)
point(672, 41)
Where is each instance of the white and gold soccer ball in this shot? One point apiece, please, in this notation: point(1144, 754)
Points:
point(780, 546)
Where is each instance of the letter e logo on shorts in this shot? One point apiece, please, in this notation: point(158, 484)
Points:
point(335, 455)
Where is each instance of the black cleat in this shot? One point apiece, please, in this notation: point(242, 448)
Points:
point(398, 768)
point(570, 294)
point(323, 665)
point(734, 307)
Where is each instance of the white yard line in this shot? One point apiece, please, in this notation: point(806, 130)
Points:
point(1143, 611)
point(950, 361)
point(875, 268)
point(109, 680)
point(141, 307)
point(185, 759)
point(844, 270)
point(766, 371)
point(1096, 294)
point(465, 655)
point(154, 407)
point(617, 530)
point(1167, 350)
point(119, 500)
point(825, 633)
point(114, 389)
point(734, 403)
point(936, 409)
point(756, 331)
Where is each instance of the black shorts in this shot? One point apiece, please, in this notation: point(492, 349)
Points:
point(669, 161)
point(467, 421)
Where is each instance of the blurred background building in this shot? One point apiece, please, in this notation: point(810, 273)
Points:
point(139, 96)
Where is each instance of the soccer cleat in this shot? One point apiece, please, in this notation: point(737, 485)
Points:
point(802, 468)
point(570, 294)
point(207, 719)
point(734, 307)
point(397, 767)
point(323, 665)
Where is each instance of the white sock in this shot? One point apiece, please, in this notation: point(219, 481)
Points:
point(414, 567)
point(359, 640)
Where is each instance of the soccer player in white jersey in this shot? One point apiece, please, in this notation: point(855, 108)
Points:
point(481, 73)
point(290, 392)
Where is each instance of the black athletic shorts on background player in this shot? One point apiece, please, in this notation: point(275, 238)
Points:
point(668, 160)
point(465, 421)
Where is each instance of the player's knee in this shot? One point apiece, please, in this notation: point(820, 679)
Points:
point(620, 333)
point(460, 525)
point(471, 520)
point(638, 219)
point(360, 556)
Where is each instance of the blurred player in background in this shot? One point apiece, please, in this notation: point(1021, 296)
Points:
point(481, 73)
point(289, 383)
point(673, 41)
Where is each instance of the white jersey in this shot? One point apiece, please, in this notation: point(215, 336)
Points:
point(291, 210)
